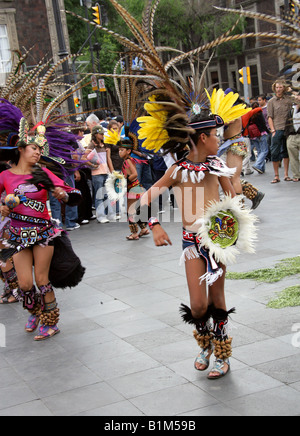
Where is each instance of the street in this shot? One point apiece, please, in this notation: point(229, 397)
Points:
point(123, 349)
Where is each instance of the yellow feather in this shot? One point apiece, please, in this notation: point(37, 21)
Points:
point(235, 112)
point(228, 101)
point(111, 137)
point(223, 105)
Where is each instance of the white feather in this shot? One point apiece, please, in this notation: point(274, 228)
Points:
point(246, 235)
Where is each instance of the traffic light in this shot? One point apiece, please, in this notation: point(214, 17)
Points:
point(292, 8)
point(76, 101)
point(97, 14)
point(245, 71)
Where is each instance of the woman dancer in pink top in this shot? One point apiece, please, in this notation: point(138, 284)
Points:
point(29, 232)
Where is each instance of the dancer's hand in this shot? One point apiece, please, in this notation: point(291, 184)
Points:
point(5, 211)
point(160, 237)
point(60, 194)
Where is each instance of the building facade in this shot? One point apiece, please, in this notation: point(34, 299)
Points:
point(32, 23)
point(259, 55)
point(27, 24)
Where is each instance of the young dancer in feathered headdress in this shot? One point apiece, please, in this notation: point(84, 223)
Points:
point(177, 116)
point(234, 150)
point(195, 180)
point(116, 184)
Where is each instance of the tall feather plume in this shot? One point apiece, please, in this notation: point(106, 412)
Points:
point(26, 92)
point(26, 85)
point(219, 41)
point(126, 42)
point(153, 11)
point(43, 83)
point(145, 50)
point(148, 18)
point(260, 16)
point(136, 29)
point(168, 97)
point(16, 69)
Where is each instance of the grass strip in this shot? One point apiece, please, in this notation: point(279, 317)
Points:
point(289, 297)
point(284, 268)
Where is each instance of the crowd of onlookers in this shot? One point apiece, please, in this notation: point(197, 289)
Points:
point(101, 158)
point(274, 131)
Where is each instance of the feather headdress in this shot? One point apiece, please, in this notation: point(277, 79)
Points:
point(28, 105)
point(225, 105)
point(171, 107)
point(112, 137)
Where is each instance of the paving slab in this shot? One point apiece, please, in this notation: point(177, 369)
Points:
point(123, 349)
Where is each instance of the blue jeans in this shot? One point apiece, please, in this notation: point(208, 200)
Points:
point(102, 203)
point(261, 145)
point(71, 212)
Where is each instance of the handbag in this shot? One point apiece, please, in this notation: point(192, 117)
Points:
point(253, 131)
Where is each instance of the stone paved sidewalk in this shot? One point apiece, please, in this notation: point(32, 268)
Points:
point(123, 350)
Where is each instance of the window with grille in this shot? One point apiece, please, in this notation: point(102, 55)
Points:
point(5, 54)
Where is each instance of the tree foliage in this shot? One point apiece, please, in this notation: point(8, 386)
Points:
point(186, 25)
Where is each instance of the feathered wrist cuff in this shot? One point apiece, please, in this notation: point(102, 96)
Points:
point(152, 222)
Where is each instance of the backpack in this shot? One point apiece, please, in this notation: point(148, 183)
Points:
point(253, 131)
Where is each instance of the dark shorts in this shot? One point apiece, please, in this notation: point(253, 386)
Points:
point(278, 146)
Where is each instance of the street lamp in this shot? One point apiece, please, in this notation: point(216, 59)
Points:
point(97, 49)
point(63, 52)
point(87, 3)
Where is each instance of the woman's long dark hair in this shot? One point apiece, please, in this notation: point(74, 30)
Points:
point(95, 139)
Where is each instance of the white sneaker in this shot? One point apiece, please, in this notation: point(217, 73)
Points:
point(103, 221)
point(118, 217)
point(69, 229)
point(84, 222)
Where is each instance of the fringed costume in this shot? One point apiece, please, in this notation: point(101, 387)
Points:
point(115, 184)
point(175, 112)
point(11, 285)
point(237, 145)
point(193, 248)
point(212, 335)
point(30, 221)
point(252, 193)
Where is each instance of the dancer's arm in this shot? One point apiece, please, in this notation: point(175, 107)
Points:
point(227, 186)
point(160, 237)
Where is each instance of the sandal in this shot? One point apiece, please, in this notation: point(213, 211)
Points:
point(219, 369)
point(6, 292)
point(132, 238)
point(144, 232)
point(203, 358)
point(276, 179)
point(295, 179)
point(32, 324)
point(5, 298)
point(287, 179)
point(44, 332)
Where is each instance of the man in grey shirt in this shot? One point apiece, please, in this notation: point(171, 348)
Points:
point(278, 109)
